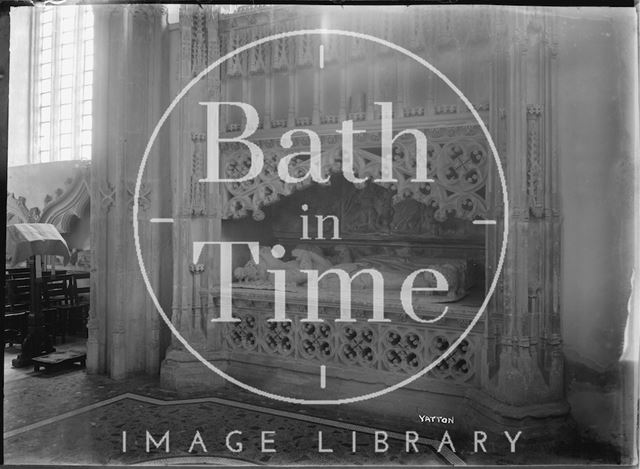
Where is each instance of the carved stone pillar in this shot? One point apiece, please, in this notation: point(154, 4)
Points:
point(124, 332)
point(196, 213)
point(497, 127)
point(523, 337)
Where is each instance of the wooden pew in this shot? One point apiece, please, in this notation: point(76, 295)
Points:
point(16, 310)
point(65, 303)
point(75, 311)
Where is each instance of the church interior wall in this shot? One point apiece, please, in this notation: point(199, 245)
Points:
point(35, 182)
point(594, 147)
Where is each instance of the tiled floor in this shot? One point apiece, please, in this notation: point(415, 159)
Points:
point(69, 417)
point(12, 374)
point(96, 437)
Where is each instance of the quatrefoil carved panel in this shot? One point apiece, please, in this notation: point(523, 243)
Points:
point(458, 365)
point(402, 350)
point(243, 334)
point(278, 338)
point(317, 341)
point(359, 345)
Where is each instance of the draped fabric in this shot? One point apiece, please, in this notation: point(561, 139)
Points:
point(28, 239)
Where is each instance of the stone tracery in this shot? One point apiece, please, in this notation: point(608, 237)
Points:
point(457, 160)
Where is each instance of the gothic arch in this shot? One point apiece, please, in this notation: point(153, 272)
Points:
point(70, 203)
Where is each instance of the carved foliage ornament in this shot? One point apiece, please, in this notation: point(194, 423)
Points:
point(235, 64)
point(199, 41)
point(108, 196)
point(280, 53)
point(258, 53)
point(144, 200)
point(414, 28)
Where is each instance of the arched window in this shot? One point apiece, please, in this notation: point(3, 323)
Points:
point(62, 86)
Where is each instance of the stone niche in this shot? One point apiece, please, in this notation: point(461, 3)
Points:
point(510, 366)
point(506, 62)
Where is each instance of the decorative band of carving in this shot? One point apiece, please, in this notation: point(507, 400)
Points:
point(457, 160)
point(387, 348)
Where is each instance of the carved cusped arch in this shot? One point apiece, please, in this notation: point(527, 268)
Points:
point(457, 162)
point(73, 202)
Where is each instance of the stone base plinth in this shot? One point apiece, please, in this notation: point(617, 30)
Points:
point(458, 409)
